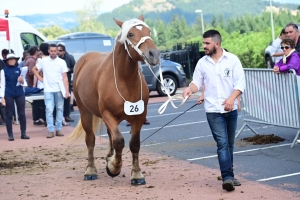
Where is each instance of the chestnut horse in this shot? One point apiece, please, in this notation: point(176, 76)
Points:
point(110, 88)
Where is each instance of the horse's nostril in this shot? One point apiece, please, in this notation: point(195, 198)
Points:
point(151, 54)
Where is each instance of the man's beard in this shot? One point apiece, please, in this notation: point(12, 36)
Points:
point(211, 52)
point(53, 56)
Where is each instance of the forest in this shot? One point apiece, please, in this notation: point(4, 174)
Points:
point(247, 35)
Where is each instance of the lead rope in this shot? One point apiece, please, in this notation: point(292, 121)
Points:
point(163, 107)
point(167, 124)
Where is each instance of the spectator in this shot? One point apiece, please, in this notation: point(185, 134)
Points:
point(291, 58)
point(56, 87)
point(276, 51)
point(222, 74)
point(70, 61)
point(292, 32)
point(25, 55)
point(30, 62)
point(4, 53)
point(13, 93)
point(2, 102)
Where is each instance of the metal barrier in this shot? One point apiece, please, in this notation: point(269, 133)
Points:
point(271, 99)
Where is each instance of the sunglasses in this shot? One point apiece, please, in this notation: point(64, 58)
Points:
point(285, 47)
point(60, 50)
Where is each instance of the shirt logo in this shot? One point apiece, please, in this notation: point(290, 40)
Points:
point(16, 72)
point(227, 72)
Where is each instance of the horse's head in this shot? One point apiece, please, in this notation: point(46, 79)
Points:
point(135, 33)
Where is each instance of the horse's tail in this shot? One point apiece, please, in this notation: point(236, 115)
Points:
point(79, 133)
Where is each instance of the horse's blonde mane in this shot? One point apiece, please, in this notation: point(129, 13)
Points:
point(127, 25)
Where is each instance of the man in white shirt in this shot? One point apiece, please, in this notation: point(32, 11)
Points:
point(56, 88)
point(275, 49)
point(223, 76)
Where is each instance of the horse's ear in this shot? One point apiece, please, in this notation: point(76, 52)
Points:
point(141, 17)
point(119, 23)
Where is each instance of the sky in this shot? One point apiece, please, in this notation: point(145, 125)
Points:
point(29, 7)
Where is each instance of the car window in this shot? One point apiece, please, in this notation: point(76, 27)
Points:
point(30, 40)
point(99, 44)
point(74, 46)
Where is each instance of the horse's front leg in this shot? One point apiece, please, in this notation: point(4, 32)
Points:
point(137, 178)
point(114, 161)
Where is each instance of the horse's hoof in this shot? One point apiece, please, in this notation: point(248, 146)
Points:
point(138, 181)
point(111, 174)
point(90, 177)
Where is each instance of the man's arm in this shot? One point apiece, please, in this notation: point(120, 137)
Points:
point(229, 102)
point(190, 90)
point(66, 84)
point(36, 73)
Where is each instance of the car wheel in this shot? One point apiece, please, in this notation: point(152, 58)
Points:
point(269, 62)
point(170, 84)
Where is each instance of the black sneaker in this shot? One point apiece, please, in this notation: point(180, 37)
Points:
point(11, 138)
point(25, 137)
point(38, 122)
point(69, 119)
point(228, 185)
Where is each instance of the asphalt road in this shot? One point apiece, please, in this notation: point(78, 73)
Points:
point(189, 138)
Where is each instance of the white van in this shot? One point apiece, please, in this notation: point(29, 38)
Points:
point(22, 36)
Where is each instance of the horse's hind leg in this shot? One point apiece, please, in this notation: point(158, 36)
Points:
point(87, 124)
point(137, 178)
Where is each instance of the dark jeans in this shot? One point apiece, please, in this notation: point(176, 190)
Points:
point(20, 102)
point(38, 110)
point(67, 107)
point(223, 127)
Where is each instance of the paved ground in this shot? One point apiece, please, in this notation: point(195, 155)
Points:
point(179, 162)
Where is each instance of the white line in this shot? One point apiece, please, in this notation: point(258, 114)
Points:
point(147, 145)
point(194, 138)
point(277, 177)
point(184, 124)
point(249, 150)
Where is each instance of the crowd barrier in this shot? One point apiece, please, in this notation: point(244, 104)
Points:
point(271, 99)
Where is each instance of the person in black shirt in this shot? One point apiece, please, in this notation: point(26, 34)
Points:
point(70, 61)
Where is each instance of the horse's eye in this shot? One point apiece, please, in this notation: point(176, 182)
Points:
point(130, 35)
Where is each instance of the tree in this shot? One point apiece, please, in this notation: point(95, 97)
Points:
point(87, 18)
point(53, 31)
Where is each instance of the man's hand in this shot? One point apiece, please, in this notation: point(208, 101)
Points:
point(228, 104)
point(67, 95)
point(187, 92)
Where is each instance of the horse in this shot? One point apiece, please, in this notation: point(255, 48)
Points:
point(109, 88)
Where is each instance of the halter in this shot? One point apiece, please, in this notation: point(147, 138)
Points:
point(127, 25)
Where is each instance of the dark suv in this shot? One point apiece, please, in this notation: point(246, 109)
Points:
point(80, 43)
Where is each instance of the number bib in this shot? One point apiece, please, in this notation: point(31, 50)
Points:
point(134, 108)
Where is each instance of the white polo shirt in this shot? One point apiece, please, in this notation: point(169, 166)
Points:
point(52, 72)
point(220, 80)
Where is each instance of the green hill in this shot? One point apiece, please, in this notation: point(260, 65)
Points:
point(165, 9)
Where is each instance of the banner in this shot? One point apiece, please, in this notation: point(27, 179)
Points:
point(4, 27)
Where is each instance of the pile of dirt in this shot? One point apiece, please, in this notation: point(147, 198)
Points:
point(264, 139)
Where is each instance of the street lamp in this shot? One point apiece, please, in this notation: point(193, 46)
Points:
point(200, 11)
point(272, 23)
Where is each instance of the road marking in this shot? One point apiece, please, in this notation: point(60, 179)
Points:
point(147, 145)
point(238, 152)
point(171, 126)
point(194, 138)
point(277, 177)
